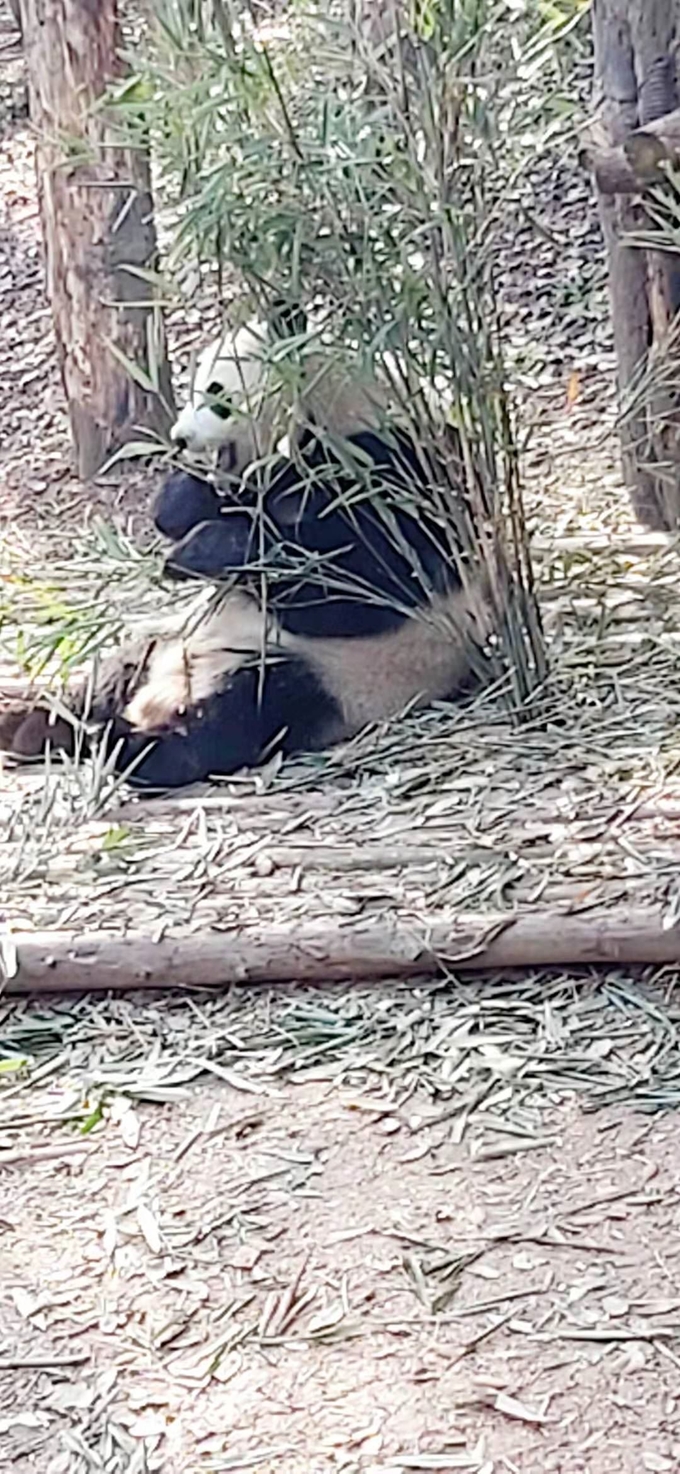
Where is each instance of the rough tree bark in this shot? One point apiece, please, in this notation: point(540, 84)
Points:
point(15, 11)
point(97, 219)
point(636, 88)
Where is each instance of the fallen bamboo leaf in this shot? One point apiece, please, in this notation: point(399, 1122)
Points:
point(9, 962)
point(149, 1228)
point(511, 1407)
point(130, 1128)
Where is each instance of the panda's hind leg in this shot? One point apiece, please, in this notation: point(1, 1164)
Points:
point(28, 727)
point(26, 730)
point(282, 708)
point(12, 717)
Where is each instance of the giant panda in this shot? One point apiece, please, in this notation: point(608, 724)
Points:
point(338, 604)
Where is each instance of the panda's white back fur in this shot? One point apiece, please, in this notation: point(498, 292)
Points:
point(424, 659)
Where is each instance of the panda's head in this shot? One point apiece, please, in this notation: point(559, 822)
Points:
point(228, 397)
point(232, 405)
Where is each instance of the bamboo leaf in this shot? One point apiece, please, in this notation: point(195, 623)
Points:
point(132, 369)
point(134, 450)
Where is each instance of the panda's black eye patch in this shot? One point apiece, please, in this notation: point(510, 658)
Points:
point(219, 404)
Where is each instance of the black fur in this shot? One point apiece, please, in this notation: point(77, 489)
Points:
point(287, 319)
point(259, 710)
point(339, 559)
point(184, 501)
point(255, 713)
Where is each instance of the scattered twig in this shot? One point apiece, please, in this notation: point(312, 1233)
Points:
point(43, 1363)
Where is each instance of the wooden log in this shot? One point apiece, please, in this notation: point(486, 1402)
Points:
point(635, 127)
point(328, 951)
point(641, 544)
point(632, 330)
point(654, 35)
point(636, 98)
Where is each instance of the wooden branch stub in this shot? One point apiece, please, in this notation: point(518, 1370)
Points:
point(655, 144)
point(646, 154)
point(323, 951)
point(613, 174)
point(638, 160)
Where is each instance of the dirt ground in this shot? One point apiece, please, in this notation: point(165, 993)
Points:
point(310, 1231)
point(296, 1282)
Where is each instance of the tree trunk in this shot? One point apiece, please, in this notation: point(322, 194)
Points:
point(97, 219)
point(15, 11)
point(636, 86)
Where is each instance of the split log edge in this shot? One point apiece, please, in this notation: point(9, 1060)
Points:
point(319, 951)
point(640, 160)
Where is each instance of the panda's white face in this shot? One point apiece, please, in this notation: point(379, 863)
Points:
point(243, 407)
point(227, 398)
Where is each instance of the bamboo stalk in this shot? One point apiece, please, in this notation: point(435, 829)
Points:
point(323, 951)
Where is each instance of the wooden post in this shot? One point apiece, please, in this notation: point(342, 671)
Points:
point(636, 86)
point(97, 219)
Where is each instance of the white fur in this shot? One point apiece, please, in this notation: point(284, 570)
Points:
point(425, 659)
point(270, 404)
point(184, 670)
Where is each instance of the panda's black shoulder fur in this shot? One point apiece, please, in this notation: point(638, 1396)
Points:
point(346, 549)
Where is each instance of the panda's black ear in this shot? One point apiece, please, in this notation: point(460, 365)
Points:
point(287, 319)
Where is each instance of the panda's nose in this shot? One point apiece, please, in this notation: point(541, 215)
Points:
point(181, 443)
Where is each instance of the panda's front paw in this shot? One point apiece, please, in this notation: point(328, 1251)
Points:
point(183, 502)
